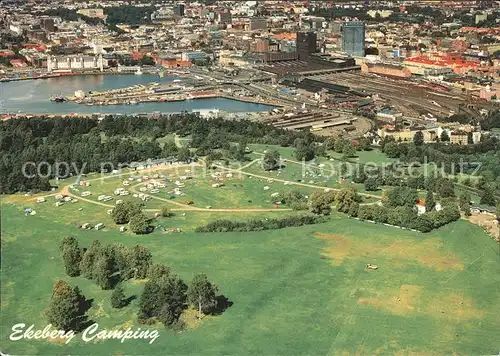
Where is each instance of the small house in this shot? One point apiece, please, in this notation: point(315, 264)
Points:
point(110, 211)
point(123, 228)
point(59, 197)
point(101, 197)
point(86, 226)
point(154, 191)
point(58, 203)
point(40, 200)
point(119, 201)
point(420, 206)
point(86, 194)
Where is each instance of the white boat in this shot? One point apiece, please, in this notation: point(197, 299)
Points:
point(138, 72)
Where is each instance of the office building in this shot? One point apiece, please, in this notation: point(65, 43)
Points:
point(353, 38)
point(305, 44)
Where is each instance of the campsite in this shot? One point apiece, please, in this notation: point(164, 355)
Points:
point(337, 279)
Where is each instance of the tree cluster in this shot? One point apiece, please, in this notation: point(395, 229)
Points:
point(345, 200)
point(399, 209)
point(258, 225)
point(106, 265)
point(166, 296)
point(293, 199)
point(78, 142)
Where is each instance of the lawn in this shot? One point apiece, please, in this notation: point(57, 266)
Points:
point(295, 291)
point(239, 191)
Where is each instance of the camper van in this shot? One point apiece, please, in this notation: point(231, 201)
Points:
point(99, 226)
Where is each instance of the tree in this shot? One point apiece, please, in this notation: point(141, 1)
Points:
point(124, 211)
point(89, 258)
point(343, 168)
point(169, 149)
point(445, 188)
point(466, 209)
point(338, 145)
point(66, 309)
point(150, 303)
point(498, 212)
point(201, 294)
point(156, 271)
point(123, 259)
point(344, 198)
point(359, 175)
point(72, 255)
point(418, 139)
point(348, 150)
point(271, 160)
point(365, 212)
point(402, 196)
point(304, 150)
point(240, 151)
point(371, 184)
point(463, 200)
point(416, 182)
point(118, 297)
point(184, 154)
point(379, 214)
point(320, 203)
point(166, 212)
point(429, 201)
point(444, 137)
point(391, 149)
point(139, 224)
point(141, 261)
point(353, 209)
point(423, 223)
point(488, 196)
point(103, 271)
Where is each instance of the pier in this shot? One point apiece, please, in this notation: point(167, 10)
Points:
point(155, 92)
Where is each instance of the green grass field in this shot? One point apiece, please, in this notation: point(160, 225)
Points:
point(295, 291)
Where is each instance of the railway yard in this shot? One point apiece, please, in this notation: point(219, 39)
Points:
point(408, 97)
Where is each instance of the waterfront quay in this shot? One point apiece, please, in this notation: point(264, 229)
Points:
point(188, 89)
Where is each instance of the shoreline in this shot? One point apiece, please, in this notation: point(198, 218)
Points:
point(21, 115)
point(76, 74)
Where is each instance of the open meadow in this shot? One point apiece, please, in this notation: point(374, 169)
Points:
point(294, 291)
point(304, 290)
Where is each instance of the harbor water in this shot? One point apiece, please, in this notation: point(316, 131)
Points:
point(33, 96)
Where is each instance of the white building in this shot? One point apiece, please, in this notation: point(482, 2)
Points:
point(76, 63)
